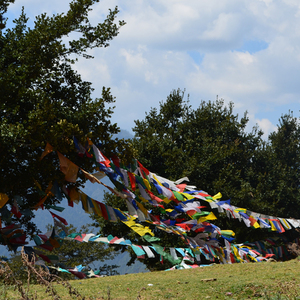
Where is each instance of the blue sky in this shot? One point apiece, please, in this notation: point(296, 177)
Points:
point(246, 52)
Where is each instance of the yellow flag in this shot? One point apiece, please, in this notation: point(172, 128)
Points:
point(37, 184)
point(143, 209)
point(209, 217)
point(217, 196)
point(97, 208)
point(143, 199)
point(90, 177)
point(74, 195)
point(238, 209)
point(236, 253)
point(139, 229)
point(147, 184)
point(228, 232)
point(83, 198)
point(254, 224)
point(48, 194)
point(273, 228)
point(158, 182)
point(188, 196)
point(167, 200)
point(3, 199)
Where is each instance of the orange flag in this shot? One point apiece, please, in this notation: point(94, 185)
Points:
point(90, 177)
point(3, 199)
point(74, 195)
point(68, 168)
point(48, 194)
point(47, 150)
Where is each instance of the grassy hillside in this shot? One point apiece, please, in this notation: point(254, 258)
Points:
point(266, 280)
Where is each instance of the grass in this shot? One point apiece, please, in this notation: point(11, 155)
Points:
point(275, 280)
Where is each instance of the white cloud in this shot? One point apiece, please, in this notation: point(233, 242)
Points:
point(151, 55)
point(266, 126)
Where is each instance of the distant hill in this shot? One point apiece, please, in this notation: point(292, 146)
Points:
point(124, 134)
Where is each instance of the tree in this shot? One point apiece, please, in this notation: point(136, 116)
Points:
point(210, 145)
point(43, 99)
point(285, 151)
point(273, 175)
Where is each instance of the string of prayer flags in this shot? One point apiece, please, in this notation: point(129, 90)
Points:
point(163, 186)
point(230, 254)
point(181, 211)
point(147, 195)
point(13, 236)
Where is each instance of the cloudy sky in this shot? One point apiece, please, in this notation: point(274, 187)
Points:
point(243, 51)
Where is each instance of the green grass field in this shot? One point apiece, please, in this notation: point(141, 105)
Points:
point(266, 280)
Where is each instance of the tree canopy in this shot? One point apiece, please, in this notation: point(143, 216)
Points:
point(209, 145)
point(44, 100)
point(212, 147)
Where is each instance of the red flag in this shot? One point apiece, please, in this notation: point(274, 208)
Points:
point(59, 218)
point(181, 187)
point(144, 171)
point(153, 197)
point(104, 211)
point(15, 210)
point(132, 180)
point(80, 275)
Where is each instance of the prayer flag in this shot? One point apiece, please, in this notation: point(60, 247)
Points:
point(68, 168)
point(3, 199)
point(47, 150)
